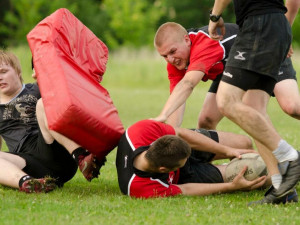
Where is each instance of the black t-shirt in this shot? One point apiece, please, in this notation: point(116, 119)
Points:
point(18, 117)
point(245, 8)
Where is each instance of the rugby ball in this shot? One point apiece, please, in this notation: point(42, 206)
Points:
point(256, 167)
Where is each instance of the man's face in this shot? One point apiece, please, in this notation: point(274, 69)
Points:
point(176, 52)
point(10, 82)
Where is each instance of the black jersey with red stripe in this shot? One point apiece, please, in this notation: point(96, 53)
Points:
point(136, 183)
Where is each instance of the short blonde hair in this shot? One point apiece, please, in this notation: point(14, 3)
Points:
point(167, 30)
point(12, 60)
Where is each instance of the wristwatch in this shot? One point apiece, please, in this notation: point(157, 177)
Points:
point(213, 17)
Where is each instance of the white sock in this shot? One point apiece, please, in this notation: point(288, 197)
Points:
point(276, 180)
point(285, 152)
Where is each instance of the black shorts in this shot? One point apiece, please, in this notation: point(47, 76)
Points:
point(247, 80)
point(286, 71)
point(47, 159)
point(198, 168)
point(215, 84)
point(260, 47)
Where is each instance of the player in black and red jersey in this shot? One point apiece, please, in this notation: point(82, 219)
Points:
point(156, 160)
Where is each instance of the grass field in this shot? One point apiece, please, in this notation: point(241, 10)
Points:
point(138, 85)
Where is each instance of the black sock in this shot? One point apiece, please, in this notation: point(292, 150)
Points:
point(78, 152)
point(23, 179)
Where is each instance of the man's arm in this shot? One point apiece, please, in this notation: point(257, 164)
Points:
point(239, 183)
point(200, 142)
point(176, 118)
point(293, 7)
point(218, 8)
point(180, 94)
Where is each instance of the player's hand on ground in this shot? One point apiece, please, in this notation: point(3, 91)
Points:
point(240, 183)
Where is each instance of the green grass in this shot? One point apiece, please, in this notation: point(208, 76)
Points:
point(138, 85)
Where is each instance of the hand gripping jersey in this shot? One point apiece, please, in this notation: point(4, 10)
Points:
point(134, 182)
point(206, 55)
point(70, 61)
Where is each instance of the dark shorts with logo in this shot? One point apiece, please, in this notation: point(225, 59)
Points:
point(259, 49)
point(198, 168)
point(44, 159)
point(286, 71)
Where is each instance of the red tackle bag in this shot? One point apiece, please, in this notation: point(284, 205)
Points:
point(69, 61)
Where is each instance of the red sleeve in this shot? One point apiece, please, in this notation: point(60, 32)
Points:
point(206, 55)
point(174, 76)
point(145, 132)
point(150, 188)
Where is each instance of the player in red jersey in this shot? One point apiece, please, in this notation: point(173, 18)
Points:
point(156, 160)
point(192, 56)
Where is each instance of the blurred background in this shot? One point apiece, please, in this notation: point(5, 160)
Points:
point(118, 23)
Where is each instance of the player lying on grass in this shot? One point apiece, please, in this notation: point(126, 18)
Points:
point(156, 160)
point(38, 159)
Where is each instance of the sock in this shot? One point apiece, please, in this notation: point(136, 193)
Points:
point(285, 152)
point(276, 180)
point(23, 179)
point(79, 152)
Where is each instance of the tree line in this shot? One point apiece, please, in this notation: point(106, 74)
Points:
point(116, 22)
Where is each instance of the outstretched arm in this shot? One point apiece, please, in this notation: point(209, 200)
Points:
point(200, 142)
point(239, 183)
point(180, 94)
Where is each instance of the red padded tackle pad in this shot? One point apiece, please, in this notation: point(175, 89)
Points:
point(70, 61)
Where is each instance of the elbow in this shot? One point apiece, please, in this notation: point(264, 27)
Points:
point(189, 85)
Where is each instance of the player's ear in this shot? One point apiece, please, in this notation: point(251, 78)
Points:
point(163, 169)
point(187, 39)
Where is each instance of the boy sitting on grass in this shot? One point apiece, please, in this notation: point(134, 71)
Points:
point(38, 159)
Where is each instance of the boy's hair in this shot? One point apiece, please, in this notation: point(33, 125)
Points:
point(167, 151)
point(8, 58)
point(167, 30)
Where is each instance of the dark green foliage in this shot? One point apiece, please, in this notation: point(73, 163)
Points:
point(117, 23)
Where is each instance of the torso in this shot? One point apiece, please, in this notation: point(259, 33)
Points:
point(18, 117)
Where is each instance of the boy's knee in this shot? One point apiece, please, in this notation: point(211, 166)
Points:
point(206, 122)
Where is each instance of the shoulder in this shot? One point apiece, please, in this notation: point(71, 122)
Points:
point(32, 87)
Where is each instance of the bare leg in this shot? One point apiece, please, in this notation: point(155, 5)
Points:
point(209, 116)
point(260, 105)
point(229, 99)
point(11, 169)
point(288, 97)
point(50, 135)
point(235, 140)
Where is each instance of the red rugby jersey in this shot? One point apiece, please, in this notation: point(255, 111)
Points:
point(206, 55)
point(140, 184)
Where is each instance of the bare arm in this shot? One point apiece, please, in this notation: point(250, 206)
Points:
point(239, 183)
point(176, 118)
point(218, 8)
point(200, 142)
point(293, 7)
point(180, 94)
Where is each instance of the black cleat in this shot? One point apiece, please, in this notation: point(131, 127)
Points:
point(270, 198)
point(290, 178)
